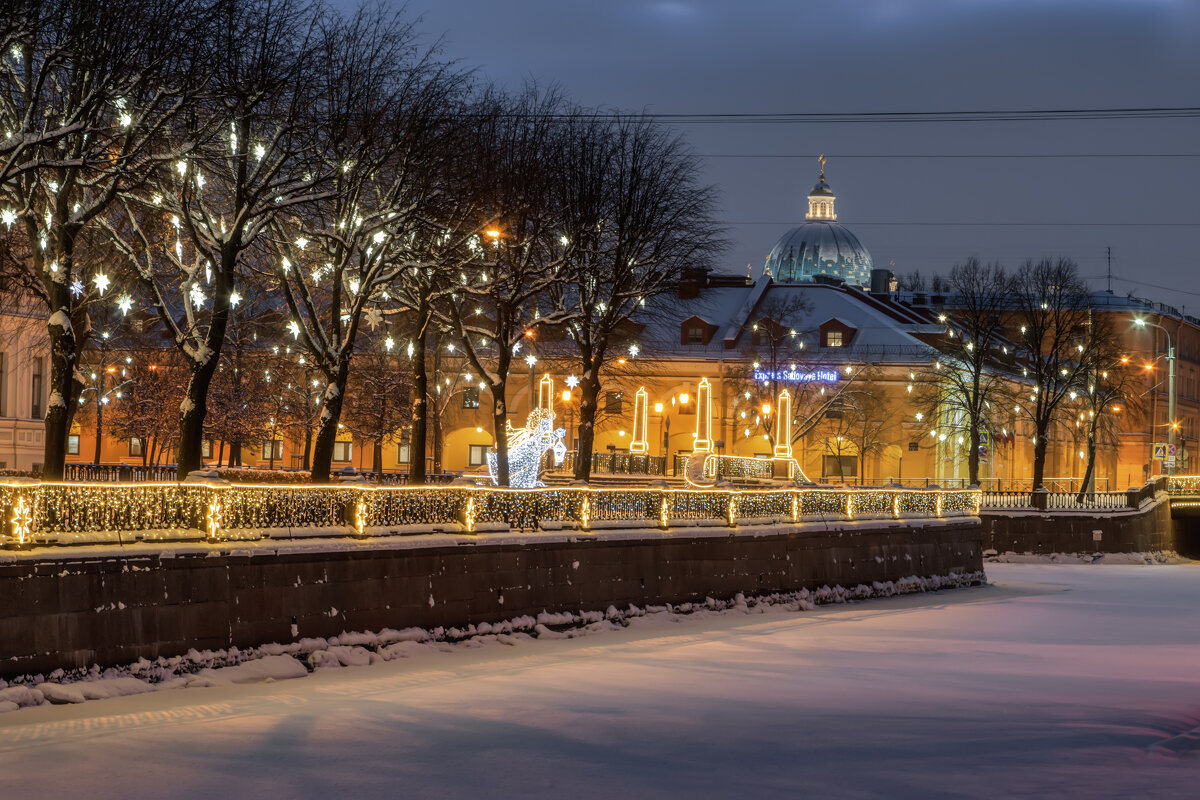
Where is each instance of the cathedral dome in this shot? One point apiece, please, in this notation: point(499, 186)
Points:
point(820, 246)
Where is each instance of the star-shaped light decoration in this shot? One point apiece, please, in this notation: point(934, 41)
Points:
point(234, 299)
point(102, 282)
point(8, 217)
point(389, 343)
point(197, 295)
point(77, 287)
point(294, 327)
point(22, 519)
point(125, 303)
point(572, 381)
point(634, 350)
point(374, 317)
point(531, 359)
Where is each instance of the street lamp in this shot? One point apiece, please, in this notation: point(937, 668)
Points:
point(1141, 323)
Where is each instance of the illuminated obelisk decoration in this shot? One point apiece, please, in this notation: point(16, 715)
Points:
point(546, 394)
point(640, 412)
point(783, 425)
point(703, 442)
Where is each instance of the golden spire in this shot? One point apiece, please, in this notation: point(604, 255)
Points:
point(821, 158)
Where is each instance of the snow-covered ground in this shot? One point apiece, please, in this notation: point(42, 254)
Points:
point(1055, 680)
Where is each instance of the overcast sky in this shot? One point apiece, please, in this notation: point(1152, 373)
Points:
point(924, 213)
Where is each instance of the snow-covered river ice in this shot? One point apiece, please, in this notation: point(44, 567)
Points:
point(1054, 680)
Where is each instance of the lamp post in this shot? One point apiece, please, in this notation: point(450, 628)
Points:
point(1141, 323)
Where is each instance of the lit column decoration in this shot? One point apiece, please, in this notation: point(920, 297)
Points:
point(783, 425)
point(938, 508)
point(214, 517)
point(469, 515)
point(896, 505)
point(585, 513)
point(22, 520)
point(849, 505)
point(664, 511)
point(703, 441)
point(640, 412)
point(733, 509)
point(795, 507)
point(360, 517)
point(546, 394)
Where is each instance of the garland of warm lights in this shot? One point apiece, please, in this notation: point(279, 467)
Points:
point(51, 510)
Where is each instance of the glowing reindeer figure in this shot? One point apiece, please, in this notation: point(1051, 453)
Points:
point(525, 448)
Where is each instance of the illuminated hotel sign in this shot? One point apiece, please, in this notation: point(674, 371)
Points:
point(815, 376)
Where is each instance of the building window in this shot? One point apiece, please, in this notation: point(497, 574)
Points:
point(695, 334)
point(471, 397)
point(403, 454)
point(342, 451)
point(273, 450)
point(135, 446)
point(833, 338)
point(73, 444)
point(914, 446)
point(35, 408)
point(477, 455)
point(614, 402)
point(839, 466)
point(206, 448)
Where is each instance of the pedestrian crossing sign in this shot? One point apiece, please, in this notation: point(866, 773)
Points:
point(1159, 452)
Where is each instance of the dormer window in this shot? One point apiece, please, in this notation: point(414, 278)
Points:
point(837, 333)
point(695, 334)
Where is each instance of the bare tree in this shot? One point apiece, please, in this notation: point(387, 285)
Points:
point(519, 251)
point(1108, 394)
point(189, 235)
point(634, 216)
point(378, 398)
point(1053, 317)
point(382, 125)
point(968, 379)
point(86, 90)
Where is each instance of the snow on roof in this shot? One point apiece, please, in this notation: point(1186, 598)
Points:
point(880, 335)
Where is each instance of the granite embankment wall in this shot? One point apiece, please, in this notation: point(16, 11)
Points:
point(1149, 530)
point(109, 607)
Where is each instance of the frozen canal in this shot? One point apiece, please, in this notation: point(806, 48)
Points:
point(1054, 680)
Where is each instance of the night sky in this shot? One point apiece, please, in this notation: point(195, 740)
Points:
point(896, 188)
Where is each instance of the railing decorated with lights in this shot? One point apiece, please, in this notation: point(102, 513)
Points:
point(99, 513)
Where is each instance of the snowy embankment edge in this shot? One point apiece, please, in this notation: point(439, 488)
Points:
point(1149, 558)
point(268, 662)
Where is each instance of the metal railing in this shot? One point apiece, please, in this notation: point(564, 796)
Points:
point(124, 473)
point(613, 463)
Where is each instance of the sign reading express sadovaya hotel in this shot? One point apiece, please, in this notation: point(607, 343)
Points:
point(813, 376)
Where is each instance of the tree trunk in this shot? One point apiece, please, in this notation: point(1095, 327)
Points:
point(1087, 486)
point(420, 413)
point(335, 393)
point(99, 426)
point(973, 456)
point(439, 442)
point(589, 396)
point(1039, 459)
point(220, 454)
point(499, 418)
point(64, 388)
point(195, 405)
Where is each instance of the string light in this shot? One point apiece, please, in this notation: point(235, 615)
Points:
point(66, 512)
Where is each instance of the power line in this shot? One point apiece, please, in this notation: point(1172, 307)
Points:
point(1010, 115)
point(927, 224)
point(951, 155)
